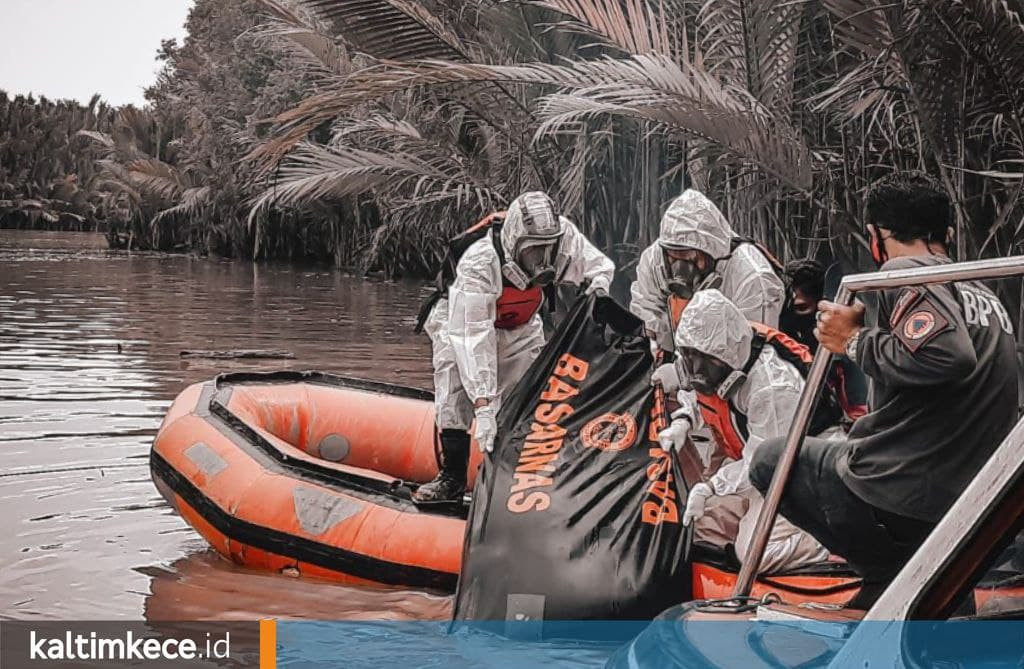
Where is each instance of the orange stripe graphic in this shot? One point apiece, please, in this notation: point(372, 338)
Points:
point(268, 644)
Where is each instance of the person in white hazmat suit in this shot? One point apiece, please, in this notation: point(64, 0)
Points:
point(713, 348)
point(487, 332)
point(698, 248)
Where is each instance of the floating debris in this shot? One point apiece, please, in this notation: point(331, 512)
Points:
point(262, 354)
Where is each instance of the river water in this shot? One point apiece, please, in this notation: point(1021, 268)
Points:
point(90, 343)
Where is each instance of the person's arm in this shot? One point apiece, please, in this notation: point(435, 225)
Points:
point(472, 300)
point(769, 408)
point(757, 291)
point(923, 340)
point(587, 264)
point(649, 297)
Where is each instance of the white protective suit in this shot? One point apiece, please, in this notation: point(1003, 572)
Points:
point(748, 280)
point(472, 358)
point(767, 397)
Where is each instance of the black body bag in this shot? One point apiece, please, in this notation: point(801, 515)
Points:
point(577, 514)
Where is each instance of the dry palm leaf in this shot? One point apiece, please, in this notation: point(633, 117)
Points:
point(635, 26)
point(315, 173)
point(391, 29)
point(304, 37)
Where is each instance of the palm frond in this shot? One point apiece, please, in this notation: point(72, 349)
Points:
point(644, 87)
point(998, 32)
point(933, 63)
point(102, 138)
point(861, 25)
point(752, 41)
point(377, 126)
point(776, 32)
point(723, 31)
point(635, 26)
point(155, 178)
point(305, 38)
point(192, 200)
point(572, 182)
point(760, 143)
point(342, 94)
point(315, 173)
point(391, 29)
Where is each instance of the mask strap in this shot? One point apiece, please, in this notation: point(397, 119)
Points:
point(731, 384)
point(878, 252)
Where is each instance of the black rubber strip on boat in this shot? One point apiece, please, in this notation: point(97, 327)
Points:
point(853, 584)
point(394, 494)
point(299, 548)
point(322, 378)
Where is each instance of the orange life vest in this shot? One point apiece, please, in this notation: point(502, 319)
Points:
point(676, 305)
point(516, 307)
point(727, 425)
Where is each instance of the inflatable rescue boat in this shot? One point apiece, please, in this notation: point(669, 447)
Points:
point(312, 473)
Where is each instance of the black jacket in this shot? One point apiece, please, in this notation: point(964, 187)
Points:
point(943, 369)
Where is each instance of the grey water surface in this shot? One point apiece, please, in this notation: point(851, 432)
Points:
point(90, 343)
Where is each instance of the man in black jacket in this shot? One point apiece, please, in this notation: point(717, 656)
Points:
point(943, 371)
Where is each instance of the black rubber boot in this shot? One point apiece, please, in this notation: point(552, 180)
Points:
point(450, 484)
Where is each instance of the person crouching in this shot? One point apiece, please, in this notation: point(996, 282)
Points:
point(741, 381)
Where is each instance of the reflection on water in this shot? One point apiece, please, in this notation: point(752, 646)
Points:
point(89, 361)
point(202, 586)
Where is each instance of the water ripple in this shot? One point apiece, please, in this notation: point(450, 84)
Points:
point(89, 362)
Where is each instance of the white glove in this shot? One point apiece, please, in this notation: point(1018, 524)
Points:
point(597, 287)
point(486, 428)
point(696, 502)
point(673, 437)
point(667, 377)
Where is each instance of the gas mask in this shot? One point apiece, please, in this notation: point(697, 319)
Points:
point(688, 271)
point(534, 263)
point(531, 236)
point(705, 373)
point(536, 257)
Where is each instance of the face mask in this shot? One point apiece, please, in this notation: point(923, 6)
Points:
point(700, 372)
point(538, 263)
point(685, 277)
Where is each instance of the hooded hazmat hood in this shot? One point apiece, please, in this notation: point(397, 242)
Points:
point(713, 325)
point(693, 221)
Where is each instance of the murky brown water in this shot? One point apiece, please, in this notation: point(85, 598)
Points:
point(89, 361)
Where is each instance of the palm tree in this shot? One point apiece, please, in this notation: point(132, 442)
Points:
point(45, 173)
point(784, 112)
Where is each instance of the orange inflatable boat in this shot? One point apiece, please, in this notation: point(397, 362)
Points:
point(312, 473)
point(305, 472)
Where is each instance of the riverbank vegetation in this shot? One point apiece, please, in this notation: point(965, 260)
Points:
point(368, 131)
point(48, 175)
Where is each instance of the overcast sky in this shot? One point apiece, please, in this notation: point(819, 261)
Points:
point(74, 48)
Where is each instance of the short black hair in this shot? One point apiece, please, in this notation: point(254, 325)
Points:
point(808, 275)
point(911, 205)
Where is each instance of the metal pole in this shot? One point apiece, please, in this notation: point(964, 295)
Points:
point(851, 285)
point(794, 441)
